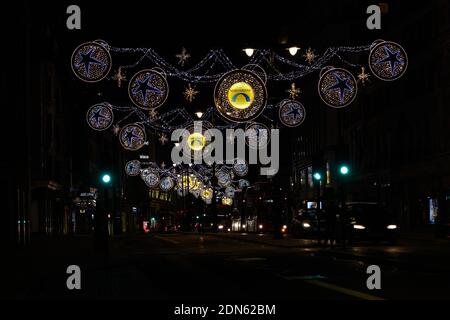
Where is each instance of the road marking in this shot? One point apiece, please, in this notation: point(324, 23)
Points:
point(343, 290)
point(167, 240)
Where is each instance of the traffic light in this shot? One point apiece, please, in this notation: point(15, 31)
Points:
point(317, 176)
point(106, 178)
point(344, 170)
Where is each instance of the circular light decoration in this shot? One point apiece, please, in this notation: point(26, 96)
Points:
point(257, 135)
point(148, 89)
point(388, 60)
point(244, 183)
point(240, 95)
point(132, 137)
point(133, 168)
point(152, 179)
point(166, 184)
point(144, 173)
point(196, 141)
point(230, 192)
point(206, 194)
point(227, 201)
point(240, 169)
point(292, 113)
point(195, 138)
point(91, 61)
point(223, 179)
point(337, 87)
point(100, 117)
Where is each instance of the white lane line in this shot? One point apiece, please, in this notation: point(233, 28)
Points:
point(343, 290)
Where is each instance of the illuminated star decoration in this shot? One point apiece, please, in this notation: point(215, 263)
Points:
point(363, 76)
point(293, 91)
point(87, 60)
point(97, 116)
point(163, 138)
point(309, 55)
point(190, 93)
point(182, 57)
point(143, 87)
point(295, 112)
point(152, 114)
point(129, 135)
point(119, 77)
point(116, 129)
point(342, 85)
point(392, 58)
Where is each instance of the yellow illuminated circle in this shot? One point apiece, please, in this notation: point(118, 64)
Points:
point(240, 95)
point(196, 141)
point(207, 193)
point(227, 201)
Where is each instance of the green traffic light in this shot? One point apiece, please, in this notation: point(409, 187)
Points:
point(106, 178)
point(317, 176)
point(344, 170)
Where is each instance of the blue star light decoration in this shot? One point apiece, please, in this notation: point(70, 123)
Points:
point(166, 184)
point(91, 62)
point(388, 61)
point(337, 88)
point(148, 89)
point(133, 168)
point(257, 135)
point(132, 137)
point(292, 113)
point(99, 117)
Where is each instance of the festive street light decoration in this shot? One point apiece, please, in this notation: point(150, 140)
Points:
point(152, 179)
point(240, 168)
point(132, 137)
point(388, 60)
point(257, 135)
point(240, 95)
point(133, 168)
point(100, 117)
point(166, 184)
point(226, 201)
point(148, 89)
point(291, 113)
point(337, 87)
point(91, 61)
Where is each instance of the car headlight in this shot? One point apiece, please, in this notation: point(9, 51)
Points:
point(392, 227)
point(306, 225)
point(358, 227)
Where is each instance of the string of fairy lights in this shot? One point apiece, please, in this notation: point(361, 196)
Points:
point(240, 95)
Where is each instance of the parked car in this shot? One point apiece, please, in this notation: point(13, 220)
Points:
point(369, 221)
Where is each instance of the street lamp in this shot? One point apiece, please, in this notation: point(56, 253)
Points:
point(199, 114)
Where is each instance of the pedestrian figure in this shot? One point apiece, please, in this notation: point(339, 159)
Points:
point(330, 222)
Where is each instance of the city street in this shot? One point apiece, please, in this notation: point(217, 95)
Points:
point(194, 267)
